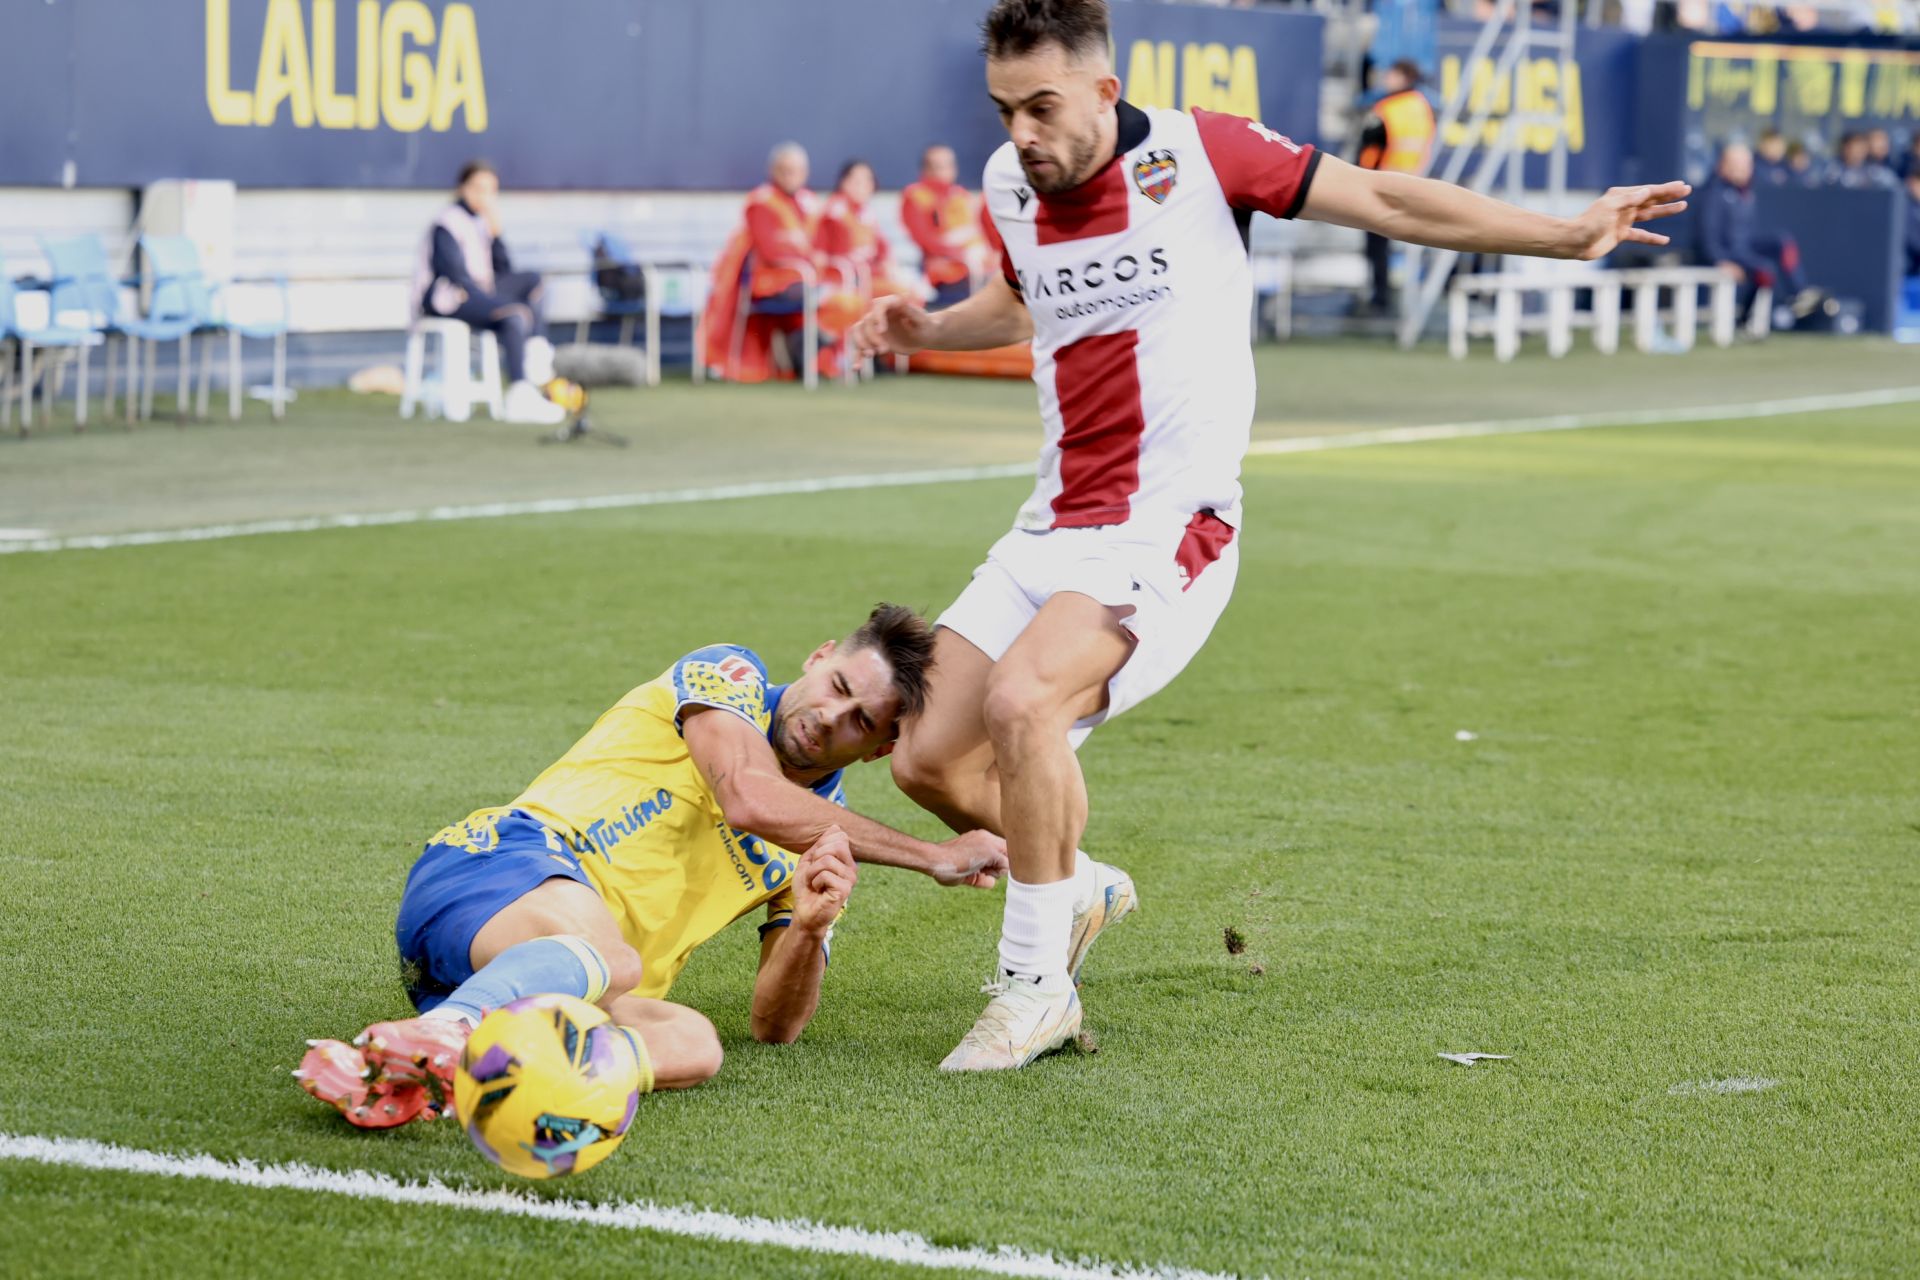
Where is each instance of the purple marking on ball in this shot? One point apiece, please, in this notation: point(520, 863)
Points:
point(633, 1105)
point(473, 1132)
point(603, 1054)
point(493, 1064)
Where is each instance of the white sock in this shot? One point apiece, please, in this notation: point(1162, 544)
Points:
point(1083, 878)
point(1035, 932)
point(539, 361)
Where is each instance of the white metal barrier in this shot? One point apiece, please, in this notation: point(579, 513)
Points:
point(1672, 293)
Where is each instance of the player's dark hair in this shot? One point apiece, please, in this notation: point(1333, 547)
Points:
point(1410, 69)
point(905, 640)
point(846, 171)
point(474, 168)
point(1016, 27)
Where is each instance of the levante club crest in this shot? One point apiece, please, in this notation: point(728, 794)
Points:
point(1155, 173)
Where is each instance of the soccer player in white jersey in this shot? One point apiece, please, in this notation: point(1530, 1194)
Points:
point(1123, 257)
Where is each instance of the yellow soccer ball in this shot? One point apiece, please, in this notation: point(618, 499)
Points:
point(548, 1086)
point(570, 396)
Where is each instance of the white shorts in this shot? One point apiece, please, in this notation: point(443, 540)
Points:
point(1176, 577)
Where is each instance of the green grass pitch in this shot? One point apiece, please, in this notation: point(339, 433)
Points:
point(1681, 846)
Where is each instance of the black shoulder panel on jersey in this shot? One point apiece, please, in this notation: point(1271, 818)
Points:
point(1134, 128)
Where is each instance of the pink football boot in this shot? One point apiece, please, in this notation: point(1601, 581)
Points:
point(337, 1074)
point(416, 1052)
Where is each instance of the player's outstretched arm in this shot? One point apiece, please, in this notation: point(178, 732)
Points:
point(794, 958)
point(756, 797)
point(993, 317)
point(1414, 210)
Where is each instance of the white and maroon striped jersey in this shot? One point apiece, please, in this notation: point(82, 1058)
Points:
point(1141, 297)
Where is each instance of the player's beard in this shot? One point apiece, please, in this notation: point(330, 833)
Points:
point(788, 744)
point(1078, 168)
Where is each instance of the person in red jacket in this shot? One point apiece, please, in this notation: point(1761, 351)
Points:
point(771, 253)
point(941, 218)
point(853, 252)
point(849, 230)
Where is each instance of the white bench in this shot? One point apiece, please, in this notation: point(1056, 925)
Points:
point(455, 390)
point(1555, 284)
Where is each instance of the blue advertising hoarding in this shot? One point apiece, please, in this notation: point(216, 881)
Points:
point(627, 94)
point(1592, 101)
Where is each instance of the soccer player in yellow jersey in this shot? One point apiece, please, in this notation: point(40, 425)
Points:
point(674, 816)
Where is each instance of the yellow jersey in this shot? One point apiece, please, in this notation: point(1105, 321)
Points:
point(629, 806)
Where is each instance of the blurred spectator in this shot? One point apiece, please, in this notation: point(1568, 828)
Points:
point(1913, 222)
point(849, 234)
point(1856, 166)
point(1693, 15)
point(1910, 163)
point(1398, 136)
point(771, 255)
point(1770, 159)
point(464, 272)
point(849, 230)
point(940, 216)
point(1730, 241)
point(1880, 149)
point(1800, 166)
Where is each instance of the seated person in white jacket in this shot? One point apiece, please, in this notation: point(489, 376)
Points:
point(464, 272)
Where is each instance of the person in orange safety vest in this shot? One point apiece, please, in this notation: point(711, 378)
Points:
point(1398, 136)
point(849, 231)
point(771, 254)
point(942, 219)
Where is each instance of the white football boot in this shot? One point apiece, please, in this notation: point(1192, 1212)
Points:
point(1021, 1023)
point(1113, 900)
point(526, 405)
point(539, 361)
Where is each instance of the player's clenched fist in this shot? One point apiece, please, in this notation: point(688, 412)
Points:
point(894, 326)
point(824, 880)
point(977, 858)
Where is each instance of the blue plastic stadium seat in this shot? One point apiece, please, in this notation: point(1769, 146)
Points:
point(83, 282)
point(182, 293)
point(27, 340)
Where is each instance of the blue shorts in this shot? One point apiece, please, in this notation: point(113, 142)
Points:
point(453, 891)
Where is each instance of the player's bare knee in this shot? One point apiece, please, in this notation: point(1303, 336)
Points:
point(1018, 705)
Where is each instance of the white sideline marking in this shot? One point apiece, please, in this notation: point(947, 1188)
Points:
point(532, 507)
point(949, 475)
point(1738, 1084)
point(901, 1247)
point(1580, 421)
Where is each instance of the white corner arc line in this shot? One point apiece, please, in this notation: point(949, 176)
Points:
point(951, 475)
point(903, 1248)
